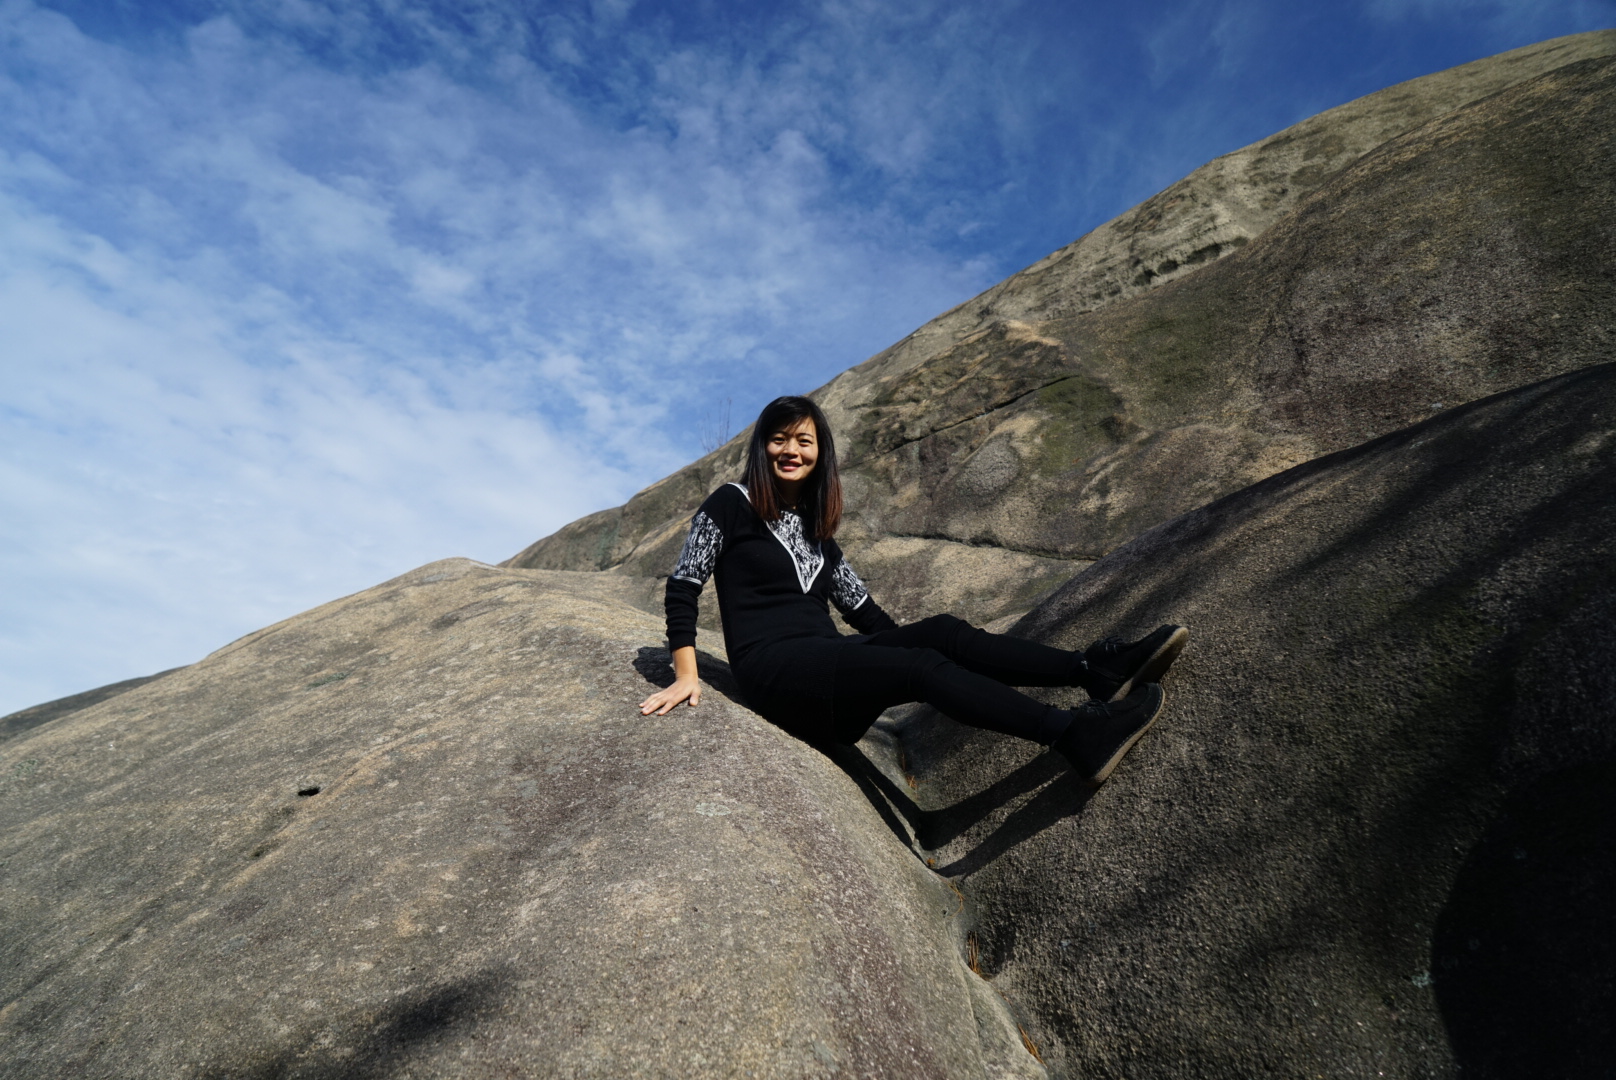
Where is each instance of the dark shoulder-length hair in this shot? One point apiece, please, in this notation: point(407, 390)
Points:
point(821, 499)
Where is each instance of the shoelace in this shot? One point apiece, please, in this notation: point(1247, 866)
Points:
point(1110, 646)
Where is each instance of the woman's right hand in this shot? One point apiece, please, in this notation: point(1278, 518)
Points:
point(686, 685)
point(683, 690)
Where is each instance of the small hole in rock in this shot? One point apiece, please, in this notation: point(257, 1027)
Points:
point(305, 792)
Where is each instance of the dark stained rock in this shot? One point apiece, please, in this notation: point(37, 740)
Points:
point(423, 831)
point(1372, 832)
point(1422, 247)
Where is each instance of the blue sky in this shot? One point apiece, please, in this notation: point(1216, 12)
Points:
point(296, 295)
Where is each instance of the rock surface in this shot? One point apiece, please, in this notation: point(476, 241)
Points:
point(1422, 247)
point(423, 831)
point(1372, 833)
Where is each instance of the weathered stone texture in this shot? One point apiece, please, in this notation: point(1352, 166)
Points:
point(424, 831)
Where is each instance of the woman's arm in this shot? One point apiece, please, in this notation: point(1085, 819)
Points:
point(696, 562)
point(686, 686)
point(853, 600)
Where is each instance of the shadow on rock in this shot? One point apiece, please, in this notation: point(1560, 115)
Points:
point(1062, 797)
point(412, 1027)
point(1523, 958)
point(897, 810)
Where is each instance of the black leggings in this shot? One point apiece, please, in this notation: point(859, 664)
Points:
point(943, 661)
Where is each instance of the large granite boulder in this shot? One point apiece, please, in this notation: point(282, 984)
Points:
point(1424, 246)
point(1372, 834)
point(423, 831)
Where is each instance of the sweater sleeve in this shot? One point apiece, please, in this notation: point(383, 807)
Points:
point(853, 600)
point(696, 562)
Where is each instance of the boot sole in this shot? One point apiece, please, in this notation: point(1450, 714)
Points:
point(1156, 665)
point(1122, 751)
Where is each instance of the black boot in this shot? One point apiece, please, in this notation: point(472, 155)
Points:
point(1101, 732)
point(1116, 666)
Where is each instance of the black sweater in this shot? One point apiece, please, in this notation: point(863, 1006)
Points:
point(773, 583)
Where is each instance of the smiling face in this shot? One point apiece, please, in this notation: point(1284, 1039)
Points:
point(793, 452)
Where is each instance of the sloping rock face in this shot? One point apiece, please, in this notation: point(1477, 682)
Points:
point(1372, 833)
point(1422, 247)
point(424, 831)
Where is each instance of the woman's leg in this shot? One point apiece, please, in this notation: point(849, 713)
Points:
point(1109, 669)
point(1008, 660)
point(882, 672)
point(871, 678)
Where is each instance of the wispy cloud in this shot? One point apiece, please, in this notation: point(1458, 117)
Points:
point(278, 326)
point(165, 491)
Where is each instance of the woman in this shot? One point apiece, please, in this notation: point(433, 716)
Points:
point(770, 543)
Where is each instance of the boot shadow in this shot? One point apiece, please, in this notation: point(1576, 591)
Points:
point(1063, 796)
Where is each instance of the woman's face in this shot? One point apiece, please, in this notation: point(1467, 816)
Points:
point(793, 453)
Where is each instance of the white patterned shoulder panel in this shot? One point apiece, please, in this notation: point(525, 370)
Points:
point(700, 552)
point(846, 590)
point(807, 557)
